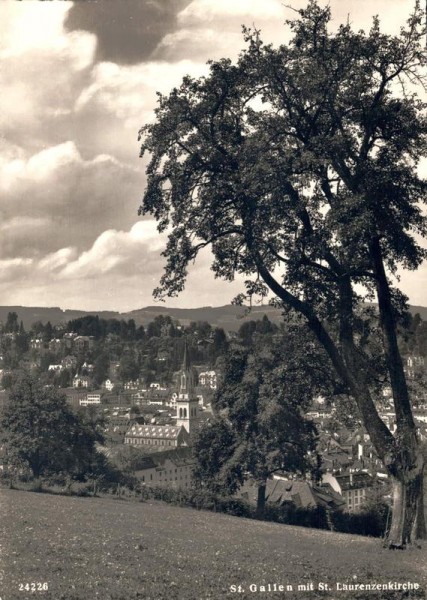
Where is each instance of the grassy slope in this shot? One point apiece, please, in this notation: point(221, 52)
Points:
point(89, 548)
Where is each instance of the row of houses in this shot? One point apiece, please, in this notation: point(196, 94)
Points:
point(69, 341)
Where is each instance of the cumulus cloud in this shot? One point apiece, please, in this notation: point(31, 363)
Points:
point(120, 269)
point(56, 197)
point(78, 80)
point(120, 252)
point(43, 69)
point(212, 30)
point(123, 99)
point(127, 31)
point(224, 10)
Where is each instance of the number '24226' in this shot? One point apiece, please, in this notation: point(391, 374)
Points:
point(34, 587)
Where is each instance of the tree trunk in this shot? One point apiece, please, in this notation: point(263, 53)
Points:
point(260, 505)
point(404, 462)
point(408, 522)
point(419, 531)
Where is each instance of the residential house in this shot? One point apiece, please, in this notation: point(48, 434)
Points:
point(118, 423)
point(127, 398)
point(74, 395)
point(169, 469)
point(172, 401)
point(334, 458)
point(108, 385)
point(353, 487)
point(68, 339)
point(55, 345)
point(420, 415)
point(69, 362)
point(36, 343)
point(132, 385)
point(301, 494)
point(92, 398)
point(81, 381)
point(414, 365)
point(82, 343)
point(156, 395)
point(208, 379)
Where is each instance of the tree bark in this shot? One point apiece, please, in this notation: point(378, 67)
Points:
point(408, 522)
point(407, 468)
point(260, 505)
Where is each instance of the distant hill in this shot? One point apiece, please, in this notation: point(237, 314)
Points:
point(228, 317)
point(422, 310)
point(29, 314)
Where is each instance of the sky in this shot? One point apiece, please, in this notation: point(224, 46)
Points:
point(78, 80)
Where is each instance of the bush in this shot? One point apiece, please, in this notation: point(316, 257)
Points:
point(233, 506)
point(371, 521)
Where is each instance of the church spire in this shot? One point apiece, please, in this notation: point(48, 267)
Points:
point(186, 382)
point(186, 366)
point(187, 402)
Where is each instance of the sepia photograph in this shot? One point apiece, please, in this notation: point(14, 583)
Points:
point(213, 299)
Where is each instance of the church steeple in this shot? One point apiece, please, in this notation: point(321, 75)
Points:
point(187, 405)
point(186, 376)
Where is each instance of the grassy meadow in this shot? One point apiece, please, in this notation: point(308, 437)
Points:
point(88, 548)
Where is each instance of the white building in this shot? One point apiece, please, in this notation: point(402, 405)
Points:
point(92, 398)
point(169, 469)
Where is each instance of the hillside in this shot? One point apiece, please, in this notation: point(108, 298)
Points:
point(104, 548)
point(228, 317)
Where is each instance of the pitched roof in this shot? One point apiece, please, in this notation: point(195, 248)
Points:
point(180, 457)
point(297, 492)
point(165, 432)
point(302, 494)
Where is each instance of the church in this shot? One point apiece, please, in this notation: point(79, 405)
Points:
point(166, 437)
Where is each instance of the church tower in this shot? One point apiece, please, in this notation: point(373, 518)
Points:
point(187, 404)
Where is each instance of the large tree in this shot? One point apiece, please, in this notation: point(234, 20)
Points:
point(259, 426)
point(42, 434)
point(298, 167)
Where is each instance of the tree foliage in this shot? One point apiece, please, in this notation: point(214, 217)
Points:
point(298, 167)
point(42, 434)
point(260, 426)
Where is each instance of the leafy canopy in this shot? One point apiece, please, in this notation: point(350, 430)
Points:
point(291, 162)
point(41, 433)
point(260, 426)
